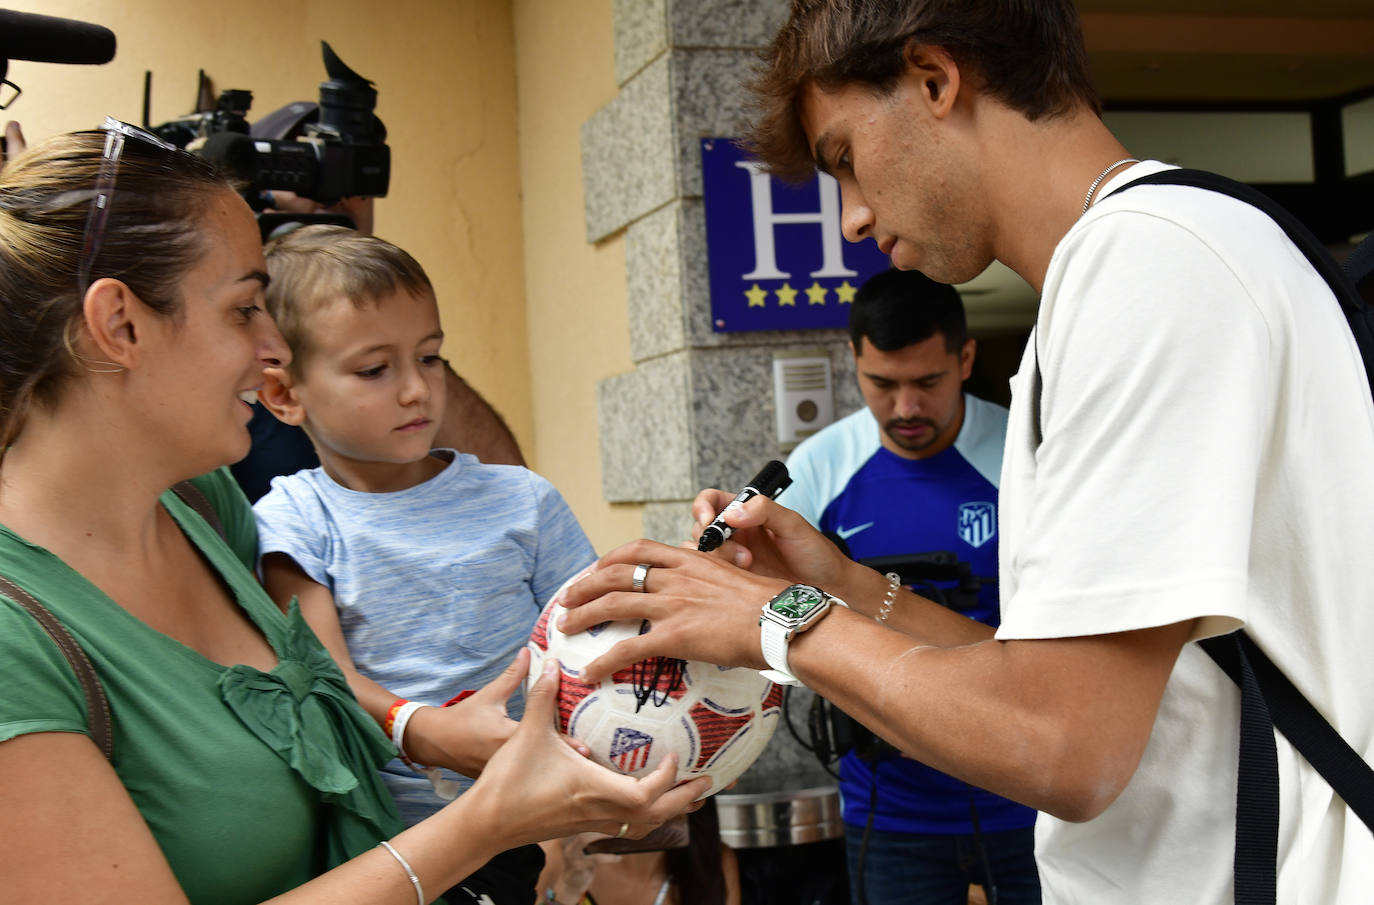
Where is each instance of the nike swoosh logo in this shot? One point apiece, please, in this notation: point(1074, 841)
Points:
point(847, 534)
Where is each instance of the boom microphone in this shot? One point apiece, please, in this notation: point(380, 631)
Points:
point(49, 39)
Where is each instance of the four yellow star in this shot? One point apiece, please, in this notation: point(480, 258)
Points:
point(787, 296)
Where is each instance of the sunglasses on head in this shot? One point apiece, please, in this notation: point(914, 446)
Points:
point(117, 133)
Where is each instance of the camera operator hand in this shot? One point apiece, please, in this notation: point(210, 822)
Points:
point(360, 210)
point(14, 143)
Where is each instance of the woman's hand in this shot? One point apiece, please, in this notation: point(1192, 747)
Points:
point(537, 788)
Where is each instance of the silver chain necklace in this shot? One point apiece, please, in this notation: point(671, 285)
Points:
point(1092, 189)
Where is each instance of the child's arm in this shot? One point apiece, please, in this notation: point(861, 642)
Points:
point(461, 737)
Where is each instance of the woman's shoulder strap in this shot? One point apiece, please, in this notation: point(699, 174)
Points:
point(97, 704)
point(194, 497)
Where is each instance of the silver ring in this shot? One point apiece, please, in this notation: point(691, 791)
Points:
point(624, 828)
point(641, 573)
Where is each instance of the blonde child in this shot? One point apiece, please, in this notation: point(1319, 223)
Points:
point(422, 570)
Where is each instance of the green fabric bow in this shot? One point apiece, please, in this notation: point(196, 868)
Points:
point(304, 711)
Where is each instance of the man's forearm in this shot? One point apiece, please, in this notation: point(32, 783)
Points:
point(1059, 724)
point(471, 425)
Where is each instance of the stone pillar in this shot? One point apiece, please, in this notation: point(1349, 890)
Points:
point(697, 411)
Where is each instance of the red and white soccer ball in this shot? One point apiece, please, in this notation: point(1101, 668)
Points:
point(717, 719)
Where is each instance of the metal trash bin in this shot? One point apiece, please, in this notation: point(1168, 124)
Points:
point(783, 820)
point(771, 819)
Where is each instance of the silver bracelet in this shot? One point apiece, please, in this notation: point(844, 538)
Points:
point(414, 880)
point(894, 581)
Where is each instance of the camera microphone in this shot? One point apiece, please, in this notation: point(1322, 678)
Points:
point(49, 39)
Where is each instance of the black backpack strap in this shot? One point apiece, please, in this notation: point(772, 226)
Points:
point(1268, 701)
point(1309, 732)
point(97, 704)
point(194, 497)
point(1255, 861)
point(1360, 265)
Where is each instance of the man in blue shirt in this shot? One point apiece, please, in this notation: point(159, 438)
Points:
point(916, 836)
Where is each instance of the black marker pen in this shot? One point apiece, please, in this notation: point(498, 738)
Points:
point(769, 482)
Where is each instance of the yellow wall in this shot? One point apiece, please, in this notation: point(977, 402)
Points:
point(445, 74)
point(487, 198)
point(578, 321)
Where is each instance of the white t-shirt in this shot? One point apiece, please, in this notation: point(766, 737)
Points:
point(1208, 453)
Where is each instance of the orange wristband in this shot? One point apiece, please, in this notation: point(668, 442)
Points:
point(390, 720)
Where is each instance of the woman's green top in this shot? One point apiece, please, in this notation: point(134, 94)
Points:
point(251, 782)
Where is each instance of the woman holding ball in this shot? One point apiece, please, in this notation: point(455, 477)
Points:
point(240, 769)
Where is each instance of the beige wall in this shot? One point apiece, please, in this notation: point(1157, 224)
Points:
point(487, 198)
point(578, 321)
point(445, 73)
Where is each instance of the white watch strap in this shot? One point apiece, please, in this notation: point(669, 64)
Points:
point(773, 638)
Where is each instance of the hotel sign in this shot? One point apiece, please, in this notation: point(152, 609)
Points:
point(777, 258)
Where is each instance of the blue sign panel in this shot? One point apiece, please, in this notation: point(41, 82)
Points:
point(777, 258)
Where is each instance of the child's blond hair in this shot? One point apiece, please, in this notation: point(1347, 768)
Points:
point(315, 265)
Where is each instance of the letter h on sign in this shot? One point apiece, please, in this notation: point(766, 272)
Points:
point(765, 218)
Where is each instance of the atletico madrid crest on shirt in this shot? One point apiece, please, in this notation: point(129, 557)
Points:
point(977, 523)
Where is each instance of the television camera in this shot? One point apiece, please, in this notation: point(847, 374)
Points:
point(326, 151)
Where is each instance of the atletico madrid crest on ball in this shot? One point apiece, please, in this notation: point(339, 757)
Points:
point(630, 749)
point(717, 720)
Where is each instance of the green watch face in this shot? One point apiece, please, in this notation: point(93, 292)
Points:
point(797, 602)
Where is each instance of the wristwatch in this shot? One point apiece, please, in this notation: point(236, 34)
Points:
point(795, 609)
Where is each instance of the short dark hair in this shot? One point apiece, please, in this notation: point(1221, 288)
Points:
point(1030, 56)
point(899, 308)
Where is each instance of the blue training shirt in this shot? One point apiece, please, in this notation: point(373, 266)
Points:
point(881, 504)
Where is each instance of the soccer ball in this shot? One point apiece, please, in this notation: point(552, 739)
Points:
point(717, 719)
